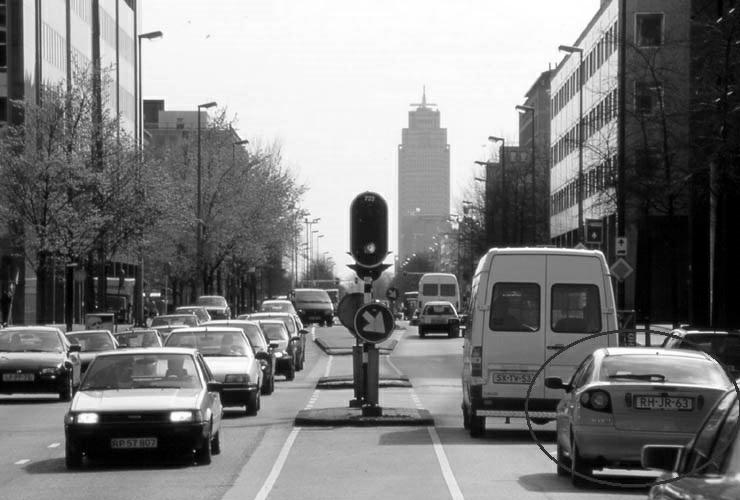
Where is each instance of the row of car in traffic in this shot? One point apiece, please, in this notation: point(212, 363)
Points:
point(162, 388)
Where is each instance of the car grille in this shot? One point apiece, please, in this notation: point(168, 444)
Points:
point(134, 417)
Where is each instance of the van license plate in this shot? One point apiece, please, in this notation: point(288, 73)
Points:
point(648, 402)
point(512, 377)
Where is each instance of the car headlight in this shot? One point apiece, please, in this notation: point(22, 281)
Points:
point(87, 418)
point(236, 378)
point(278, 354)
point(182, 416)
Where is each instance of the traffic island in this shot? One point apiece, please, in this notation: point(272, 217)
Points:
point(345, 348)
point(352, 417)
point(347, 382)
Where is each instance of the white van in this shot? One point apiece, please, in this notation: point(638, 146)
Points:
point(438, 286)
point(526, 304)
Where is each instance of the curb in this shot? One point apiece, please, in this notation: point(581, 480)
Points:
point(345, 350)
point(352, 417)
point(347, 382)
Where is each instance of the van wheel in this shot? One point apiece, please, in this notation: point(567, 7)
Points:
point(477, 425)
point(422, 333)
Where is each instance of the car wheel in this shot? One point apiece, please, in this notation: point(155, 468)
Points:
point(290, 374)
point(466, 418)
point(72, 456)
point(578, 466)
point(299, 365)
point(563, 462)
point(66, 393)
point(265, 387)
point(253, 403)
point(477, 425)
point(203, 454)
point(451, 333)
point(216, 444)
point(272, 384)
point(422, 332)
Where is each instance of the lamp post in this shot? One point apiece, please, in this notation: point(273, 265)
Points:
point(233, 150)
point(318, 255)
point(199, 215)
point(309, 238)
point(139, 125)
point(577, 50)
point(530, 109)
point(504, 194)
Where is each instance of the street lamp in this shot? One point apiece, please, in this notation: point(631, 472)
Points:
point(139, 125)
point(530, 109)
point(233, 150)
point(199, 232)
point(318, 255)
point(309, 240)
point(577, 50)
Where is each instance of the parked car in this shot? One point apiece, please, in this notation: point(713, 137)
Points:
point(230, 358)
point(154, 400)
point(216, 306)
point(138, 337)
point(708, 467)
point(91, 342)
point(168, 322)
point(724, 345)
point(260, 346)
point(284, 346)
point(38, 359)
point(313, 306)
point(439, 317)
point(622, 398)
point(274, 305)
point(295, 329)
point(200, 312)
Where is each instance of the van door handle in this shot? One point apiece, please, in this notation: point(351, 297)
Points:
point(556, 347)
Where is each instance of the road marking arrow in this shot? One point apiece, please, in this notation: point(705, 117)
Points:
point(374, 323)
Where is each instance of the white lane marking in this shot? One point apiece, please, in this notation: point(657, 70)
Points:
point(327, 371)
point(449, 477)
point(313, 399)
point(313, 333)
point(54, 445)
point(22, 462)
point(415, 399)
point(395, 368)
point(277, 466)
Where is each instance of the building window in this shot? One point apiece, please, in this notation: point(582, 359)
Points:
point(3, 109)
point(647, 96)
point(649, 30)
point(3, 50)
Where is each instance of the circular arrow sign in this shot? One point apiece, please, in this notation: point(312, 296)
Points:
point(348, 307)
point(374, 323)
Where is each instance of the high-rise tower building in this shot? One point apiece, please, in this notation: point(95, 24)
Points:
point(423, 181)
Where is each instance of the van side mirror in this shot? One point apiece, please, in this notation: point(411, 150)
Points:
point(661, 457)
point(556, 383)
point(214, 386)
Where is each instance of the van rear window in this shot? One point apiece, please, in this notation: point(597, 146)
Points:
point(430, 289)
point(515, 307)
point(447, 290)
point(576, 308)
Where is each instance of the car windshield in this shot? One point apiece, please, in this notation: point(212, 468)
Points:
point(211, 301)
point(438, 309)
point(287, 321)
point(141, 371)
point(662, 369)
point(92, 341)
point(255, 335)
point(317, 296)
point(274, 331)
point(30, 341)
point(212, 342)
point(183, 320)
point(138, 339)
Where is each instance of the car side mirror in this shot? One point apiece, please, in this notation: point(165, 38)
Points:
point(661, 457)
point(214, 386)
point(295, 339)
point(262, 355)
point(556, 383)
point(75, 348)
point(274, 345)
point(303, 331)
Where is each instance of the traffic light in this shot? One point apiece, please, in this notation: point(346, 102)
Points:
point(368, 227)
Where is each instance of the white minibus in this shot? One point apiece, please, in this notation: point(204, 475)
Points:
point(439, 286)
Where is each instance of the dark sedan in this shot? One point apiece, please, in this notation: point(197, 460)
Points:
point(295, 329)
point(723, 345)
point(91, 342)
point(138, 337)
point(38, 359)
point(284, 346)
point(166, 323)
point(161, 400)
point(216, 306)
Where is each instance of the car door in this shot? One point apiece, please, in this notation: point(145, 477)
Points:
point(567, 406)
point(213, 397)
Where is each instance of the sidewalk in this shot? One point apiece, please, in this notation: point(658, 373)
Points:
point(329, 405)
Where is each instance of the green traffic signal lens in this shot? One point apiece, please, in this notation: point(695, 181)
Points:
point(370, 248)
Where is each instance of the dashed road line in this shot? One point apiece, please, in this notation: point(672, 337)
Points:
point(327, 371)
point(394, 367)
point(449, 477)
point(313, 333)
point(54, 445)
point(22, 462)
point(277, 466)
point(415, 399)
point(313, 399)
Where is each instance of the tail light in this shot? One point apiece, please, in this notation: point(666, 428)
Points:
point(476, 361)
point(597, 400)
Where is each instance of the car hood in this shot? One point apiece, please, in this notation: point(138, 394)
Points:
point(136, 399)
point(18, 360)
point(223, 365)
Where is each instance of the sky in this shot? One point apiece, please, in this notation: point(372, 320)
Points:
point(332, 81)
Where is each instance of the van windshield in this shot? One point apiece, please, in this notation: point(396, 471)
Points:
point(317, 296)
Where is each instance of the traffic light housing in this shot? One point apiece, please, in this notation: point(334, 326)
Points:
point(368, 227)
